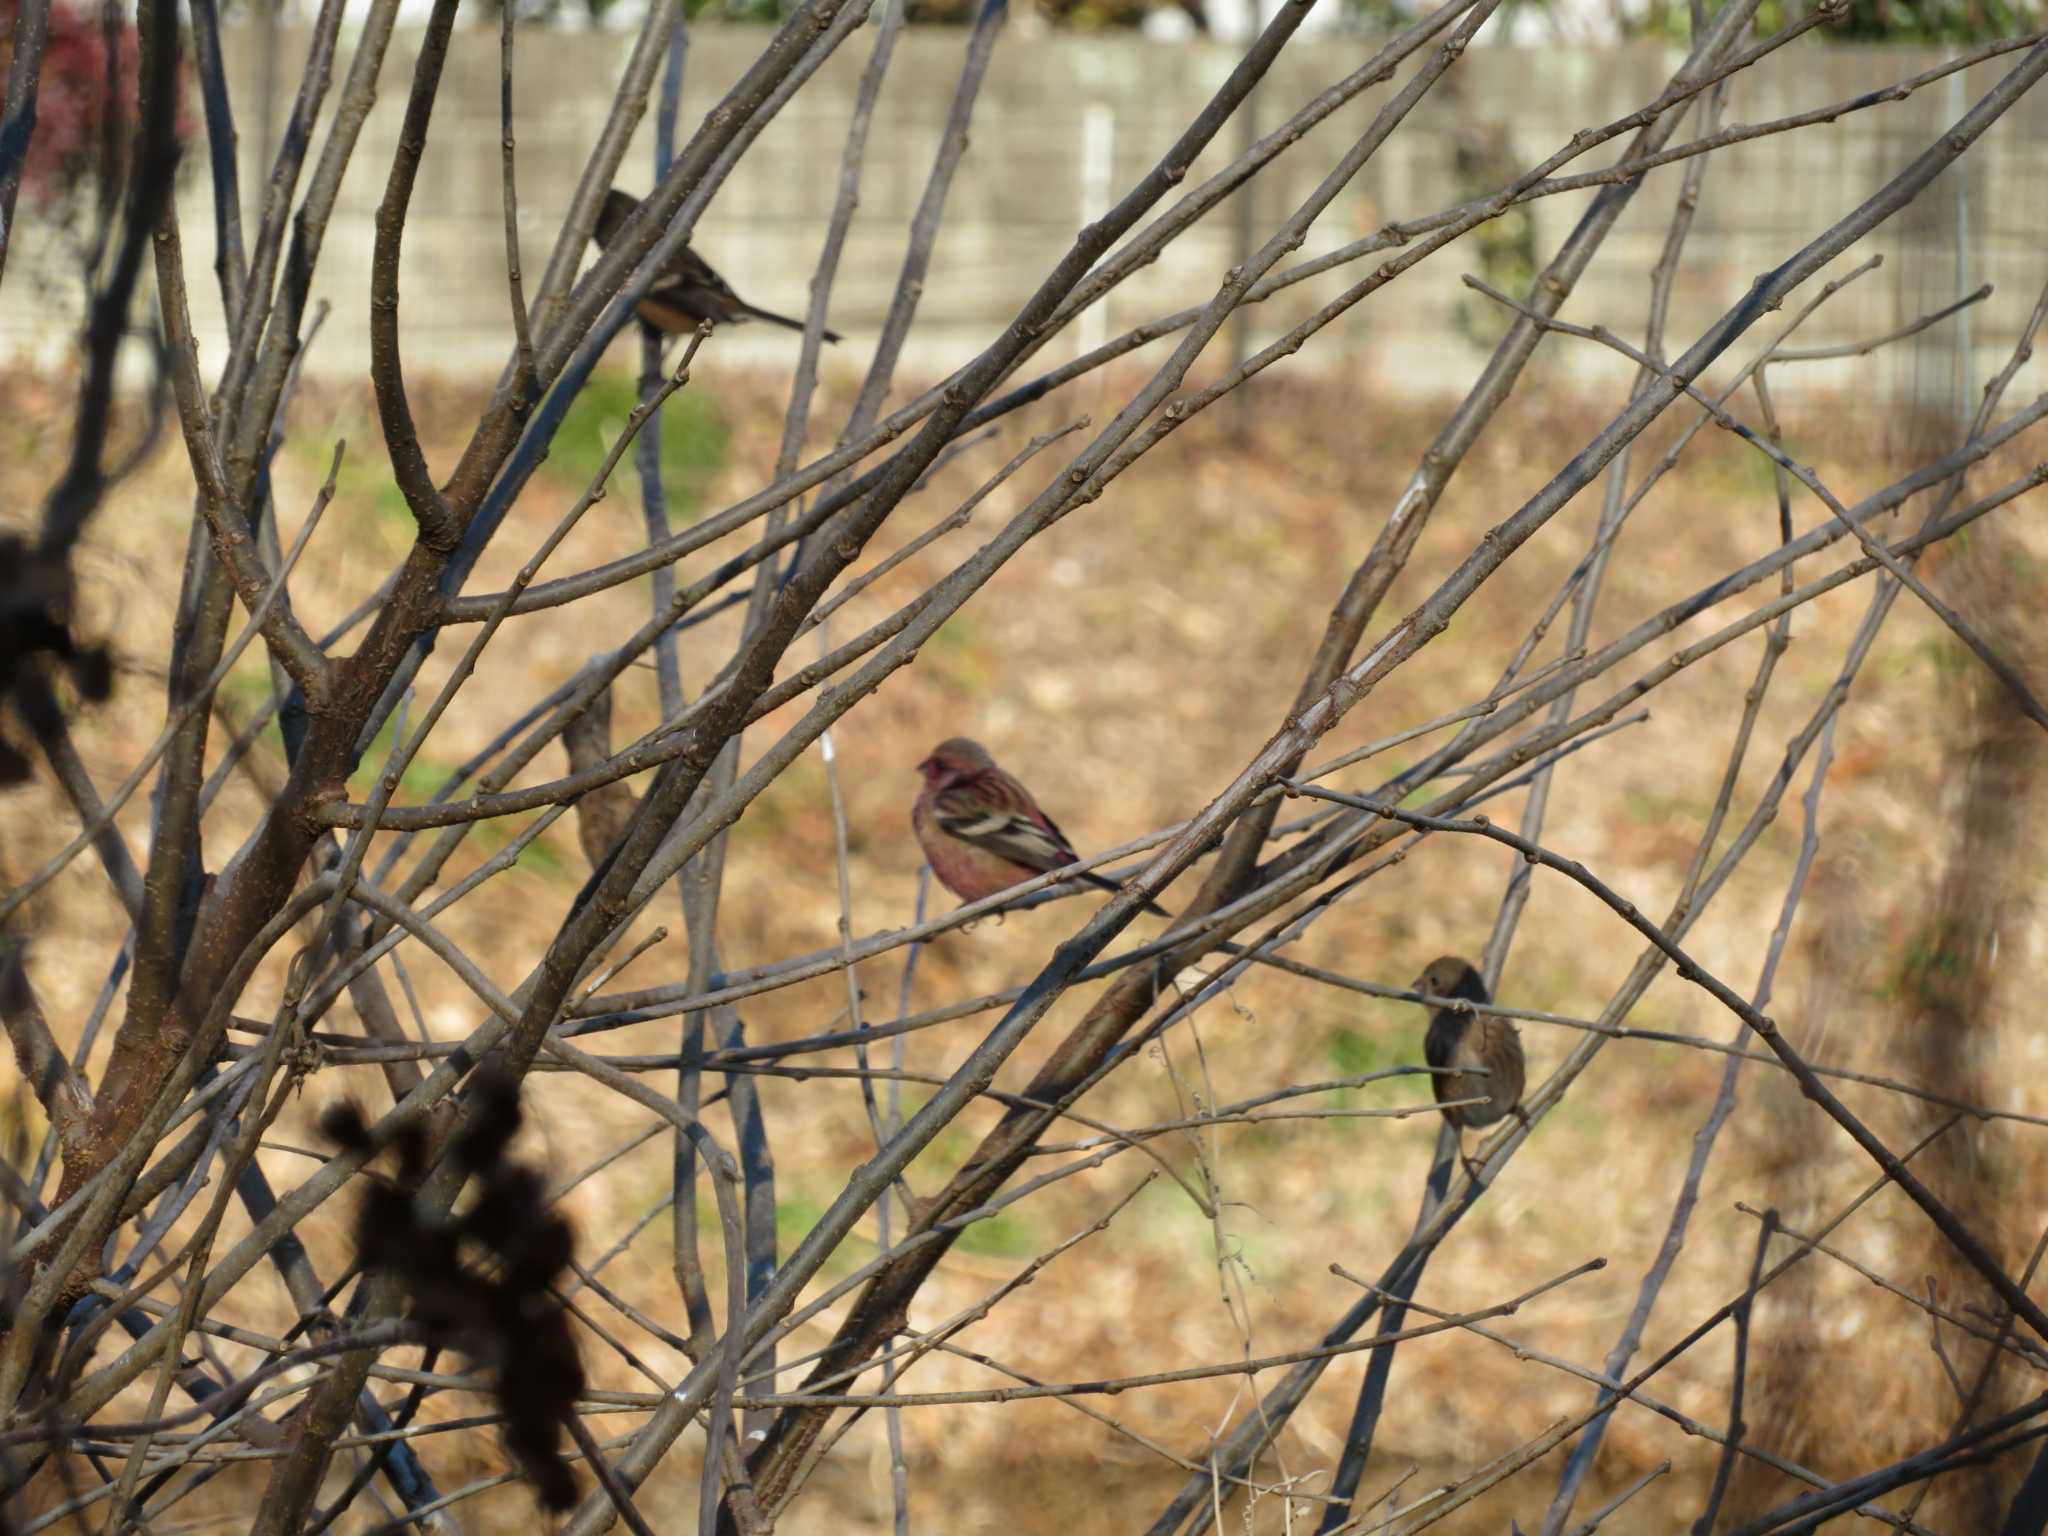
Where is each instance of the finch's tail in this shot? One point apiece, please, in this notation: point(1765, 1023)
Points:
point(753, 313)
point(1110, 885)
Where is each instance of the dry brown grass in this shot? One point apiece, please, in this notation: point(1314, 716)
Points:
point(1125, 665)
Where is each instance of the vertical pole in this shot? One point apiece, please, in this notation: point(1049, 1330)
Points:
point(1098, 154)
point(1244, 239)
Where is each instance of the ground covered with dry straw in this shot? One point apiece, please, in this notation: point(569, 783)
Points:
point(1125, 665)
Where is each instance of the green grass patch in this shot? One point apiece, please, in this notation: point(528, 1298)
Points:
point(367, 498)
point(541, 857)
point(422, 777)
point(956, 657)
point(769, 817)
point(1163, 1218)
point(1647, 808)
point(1008, 1234)
point(244, 694)
point(694, 440)
point(1353, 1053)
point(795, 1215)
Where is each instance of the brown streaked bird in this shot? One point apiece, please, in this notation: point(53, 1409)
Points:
point(1465, 1040)
point(688, 291)
point(980, 829)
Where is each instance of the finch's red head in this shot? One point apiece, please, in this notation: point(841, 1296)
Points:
point(953, 759)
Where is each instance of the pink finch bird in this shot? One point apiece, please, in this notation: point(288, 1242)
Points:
point(980, 829)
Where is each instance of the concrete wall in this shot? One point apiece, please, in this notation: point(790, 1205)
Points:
point(1019, 198)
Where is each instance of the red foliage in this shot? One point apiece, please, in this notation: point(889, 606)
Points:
point(74, 100)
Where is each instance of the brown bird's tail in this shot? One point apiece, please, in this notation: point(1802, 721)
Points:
point(752, 312)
